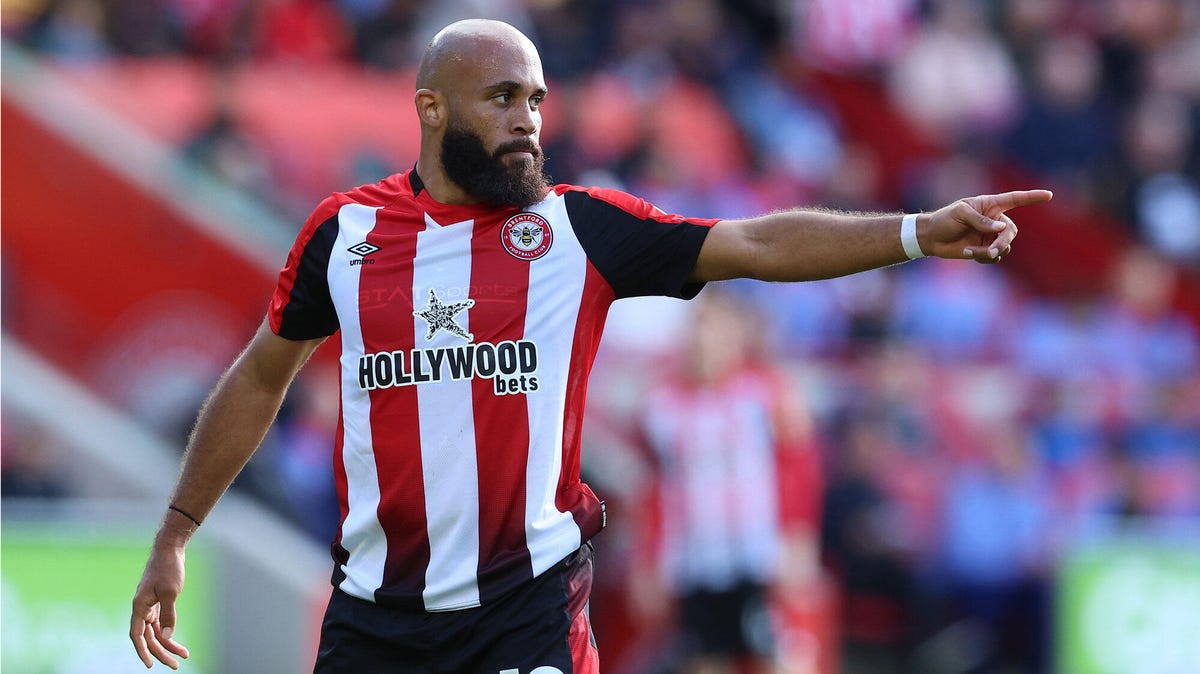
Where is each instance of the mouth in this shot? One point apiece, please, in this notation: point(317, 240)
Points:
point(518, 151)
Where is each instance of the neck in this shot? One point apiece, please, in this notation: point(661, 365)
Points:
point(438, 184)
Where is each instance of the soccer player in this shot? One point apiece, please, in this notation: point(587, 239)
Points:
point(470, 296)
point(732, 512)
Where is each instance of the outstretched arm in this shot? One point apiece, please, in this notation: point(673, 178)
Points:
point(230, 427)
point(805, 245)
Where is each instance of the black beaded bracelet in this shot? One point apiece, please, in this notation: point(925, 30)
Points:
point(172, 507)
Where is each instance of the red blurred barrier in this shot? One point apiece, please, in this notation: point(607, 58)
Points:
point(101, 276)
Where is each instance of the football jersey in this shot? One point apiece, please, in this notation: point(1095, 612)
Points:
point(467, 336)
point(718, 453)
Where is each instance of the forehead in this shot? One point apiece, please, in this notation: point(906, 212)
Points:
point(494, 61)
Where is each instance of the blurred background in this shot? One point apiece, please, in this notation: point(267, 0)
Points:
point(986, 468)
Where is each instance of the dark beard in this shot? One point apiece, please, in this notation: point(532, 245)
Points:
point(484, 176)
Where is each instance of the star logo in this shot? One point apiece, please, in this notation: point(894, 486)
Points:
point(440, 316)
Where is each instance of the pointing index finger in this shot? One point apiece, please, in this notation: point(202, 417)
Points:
point(1009, 200)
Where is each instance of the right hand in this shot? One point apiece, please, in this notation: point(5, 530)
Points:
point(153, 621)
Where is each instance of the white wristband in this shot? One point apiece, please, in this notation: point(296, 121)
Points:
point(908, 237)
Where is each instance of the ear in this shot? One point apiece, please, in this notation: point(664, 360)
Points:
point(431, 107)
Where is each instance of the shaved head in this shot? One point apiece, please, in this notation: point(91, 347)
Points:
point(479, 89)
point(471, 42)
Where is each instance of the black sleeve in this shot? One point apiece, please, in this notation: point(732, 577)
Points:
point(637, 248)
point(309, 312)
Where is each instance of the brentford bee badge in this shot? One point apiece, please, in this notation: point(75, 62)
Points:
point(526, 236)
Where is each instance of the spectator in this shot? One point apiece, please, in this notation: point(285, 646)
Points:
point(995, 549)
point(1164, 202)
point(864, 542)
point(385, 36)
point(224, 148)
point(1065, 129)
point(836, 35)
point(956, 79)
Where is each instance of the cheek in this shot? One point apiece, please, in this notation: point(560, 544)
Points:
point(479, 119)
point(491, 130)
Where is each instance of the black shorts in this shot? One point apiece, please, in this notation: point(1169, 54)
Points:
point(542, 625)
point(733, 622)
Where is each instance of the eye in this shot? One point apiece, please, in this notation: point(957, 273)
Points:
point(536, 100)
point(504, 98)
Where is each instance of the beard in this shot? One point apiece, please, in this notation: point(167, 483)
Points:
point(485, 176)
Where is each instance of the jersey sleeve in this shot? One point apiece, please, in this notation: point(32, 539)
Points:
point(301, 307)
point(637, 248)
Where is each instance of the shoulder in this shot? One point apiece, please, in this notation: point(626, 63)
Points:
point(383, 193)
point(605, 197)
point(608, 198)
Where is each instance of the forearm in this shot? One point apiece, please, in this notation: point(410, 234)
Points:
point(234, 420)
point(229, 428)
point(803, 245)
point(806, 245)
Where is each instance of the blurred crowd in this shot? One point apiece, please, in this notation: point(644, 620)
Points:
point(968, 428)
point(969, 434)
point(719, 106)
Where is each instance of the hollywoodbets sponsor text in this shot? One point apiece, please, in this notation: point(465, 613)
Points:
point(510, 365)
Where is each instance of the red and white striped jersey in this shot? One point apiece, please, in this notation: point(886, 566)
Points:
point(467, 336)
point(721, 456)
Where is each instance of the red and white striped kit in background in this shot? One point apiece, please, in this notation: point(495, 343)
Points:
point(718, 451)
point(467, 336)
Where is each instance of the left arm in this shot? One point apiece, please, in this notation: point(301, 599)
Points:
point(805, 245)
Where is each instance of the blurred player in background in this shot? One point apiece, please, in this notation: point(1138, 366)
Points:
point(470, 297)
point(736, 492)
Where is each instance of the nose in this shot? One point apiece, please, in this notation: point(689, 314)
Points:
point(526, 120)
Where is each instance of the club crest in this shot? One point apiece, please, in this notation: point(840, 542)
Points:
point(526, 236)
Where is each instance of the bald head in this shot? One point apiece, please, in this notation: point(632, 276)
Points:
point(469, 44)
point(479, 90)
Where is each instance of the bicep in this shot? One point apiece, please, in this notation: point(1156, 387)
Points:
point(728, 252)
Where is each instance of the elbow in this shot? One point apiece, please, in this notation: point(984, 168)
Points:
point(767, 256)
point(759, 257)
point(753, 249)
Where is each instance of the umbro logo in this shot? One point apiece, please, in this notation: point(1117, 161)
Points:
point(362, 250)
